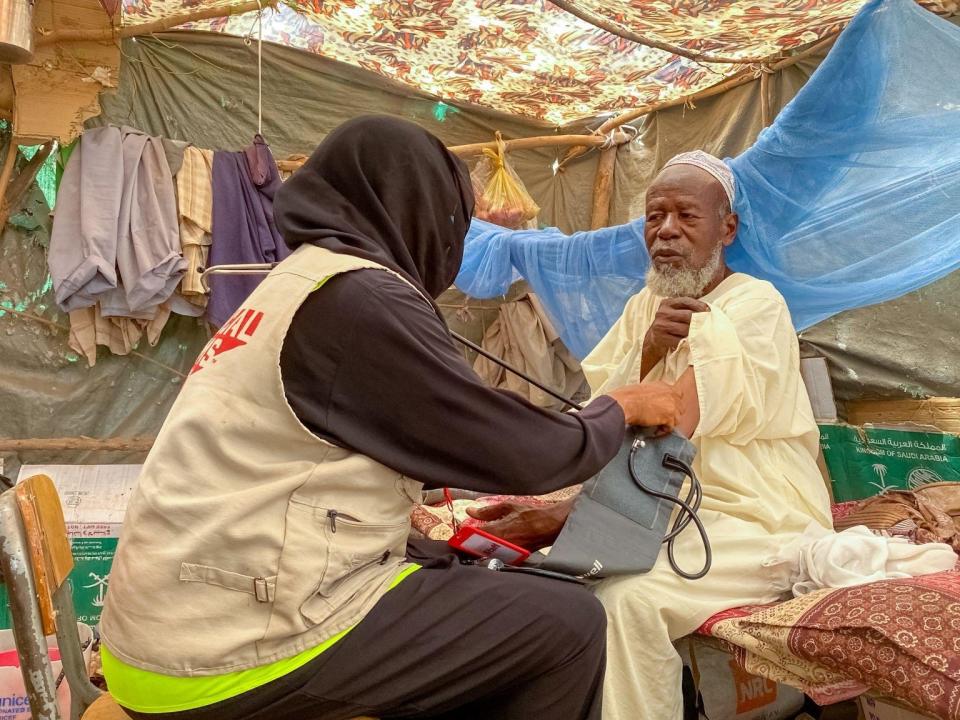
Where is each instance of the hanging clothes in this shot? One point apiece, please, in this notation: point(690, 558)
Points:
point(195, 201)
point(89, 328)
point(148, 240)
point(243, 231)
point(83, 242)
point(115, 242)
point(115, 237)
point(523, 335)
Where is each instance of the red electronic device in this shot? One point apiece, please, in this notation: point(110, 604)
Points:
point(475, 541)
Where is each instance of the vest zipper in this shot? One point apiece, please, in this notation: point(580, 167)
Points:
point(332, 588)
point(334, 514)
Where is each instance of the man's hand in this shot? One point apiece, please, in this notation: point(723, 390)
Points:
point(524, 525)
point(670, 326)
point(654, 404)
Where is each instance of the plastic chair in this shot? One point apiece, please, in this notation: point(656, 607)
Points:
point(35, 560)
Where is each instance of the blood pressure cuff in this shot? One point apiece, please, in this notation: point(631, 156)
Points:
point(617, 526)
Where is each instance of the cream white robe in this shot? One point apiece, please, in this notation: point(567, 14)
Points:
point(757, 444)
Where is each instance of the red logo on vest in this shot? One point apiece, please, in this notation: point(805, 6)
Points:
point(234, 333)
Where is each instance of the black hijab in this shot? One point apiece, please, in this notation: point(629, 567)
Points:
point(385, 190)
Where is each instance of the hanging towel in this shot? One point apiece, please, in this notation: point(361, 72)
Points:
point(244, 184)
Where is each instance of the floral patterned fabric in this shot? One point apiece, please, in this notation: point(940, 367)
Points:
point(899, 638)
point(723, 27)
point(528, 57)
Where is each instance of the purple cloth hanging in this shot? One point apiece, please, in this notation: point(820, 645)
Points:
point(244, 184)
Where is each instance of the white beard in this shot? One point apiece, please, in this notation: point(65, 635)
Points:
point(684, 281)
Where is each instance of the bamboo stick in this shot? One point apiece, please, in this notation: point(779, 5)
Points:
point(160, 25)
point(603, 189)
point(120, 444)
point(741, 78)
point(626, 34)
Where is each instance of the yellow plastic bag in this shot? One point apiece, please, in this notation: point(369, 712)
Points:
point(500, 194)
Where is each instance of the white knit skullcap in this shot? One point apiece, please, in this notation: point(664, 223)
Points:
point(709, 163)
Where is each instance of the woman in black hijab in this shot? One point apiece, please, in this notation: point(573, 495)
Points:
point(384, 190)
point(368, 364)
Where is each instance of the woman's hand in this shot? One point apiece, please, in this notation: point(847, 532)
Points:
point(654, 404)
point(524, 525)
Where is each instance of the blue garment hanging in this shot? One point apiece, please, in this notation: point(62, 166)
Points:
point(850, 198)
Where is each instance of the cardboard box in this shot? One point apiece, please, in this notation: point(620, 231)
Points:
point(874, 708)
point(816, 377)
point(940, 413)
point(867, 461)
point(94, 499)
point(731, 693)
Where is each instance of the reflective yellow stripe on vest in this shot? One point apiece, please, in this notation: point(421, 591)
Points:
point(150, 692)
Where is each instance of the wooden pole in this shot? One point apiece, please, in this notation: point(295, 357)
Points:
point(765, 118)
point(618, 137)
point(741, 78)
point(627, 34)
point(128, 444)
point(167, 23)
point(8, 165)
point(603, 189)
point(14, 191)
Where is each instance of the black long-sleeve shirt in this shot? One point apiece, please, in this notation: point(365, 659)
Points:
point(367, 364)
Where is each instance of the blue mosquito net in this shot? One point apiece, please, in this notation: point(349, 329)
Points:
point(851, 197)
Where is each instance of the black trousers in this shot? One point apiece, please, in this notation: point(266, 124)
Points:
point(450, 641)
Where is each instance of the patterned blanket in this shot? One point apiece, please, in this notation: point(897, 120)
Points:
point(900, 638)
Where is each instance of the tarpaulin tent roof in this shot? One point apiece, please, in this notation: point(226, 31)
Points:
point(530, 57)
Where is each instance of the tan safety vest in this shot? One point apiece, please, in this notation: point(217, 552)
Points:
point(249, 539)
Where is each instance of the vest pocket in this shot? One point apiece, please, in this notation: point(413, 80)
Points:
point(358, 557)
point(328, 559)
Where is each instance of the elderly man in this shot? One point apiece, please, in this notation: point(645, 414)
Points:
point(726, 339)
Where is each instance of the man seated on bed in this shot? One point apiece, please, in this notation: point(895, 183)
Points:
point(727, 340)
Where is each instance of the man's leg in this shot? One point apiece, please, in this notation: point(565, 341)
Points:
point(646, 613)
